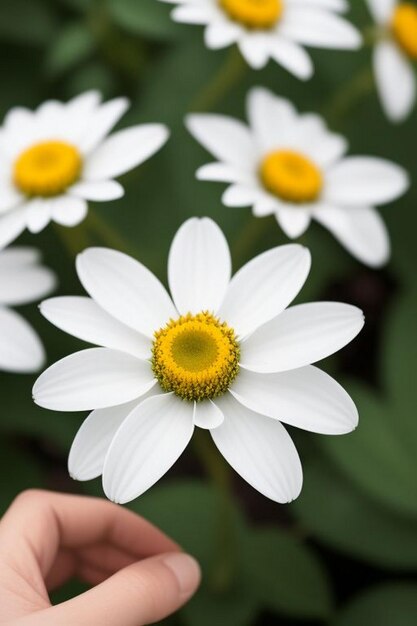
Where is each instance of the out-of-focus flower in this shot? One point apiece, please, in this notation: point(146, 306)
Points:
point(395, 56)
point(56, 158)
point(275, 29)
point(22, 280)
point(223, 354)
point(291, 166)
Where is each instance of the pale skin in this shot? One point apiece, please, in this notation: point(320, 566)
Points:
point(137, 574)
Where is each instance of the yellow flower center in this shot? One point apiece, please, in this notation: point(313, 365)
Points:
point(195, 356)
point(404, 28)
point(254, 13)
point(47, 168)
point(291, 176)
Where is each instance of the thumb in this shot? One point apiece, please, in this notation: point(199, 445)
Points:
point(142, 593)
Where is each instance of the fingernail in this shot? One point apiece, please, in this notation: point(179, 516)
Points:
point(185, 569)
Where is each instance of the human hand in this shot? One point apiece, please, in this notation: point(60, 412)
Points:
point(139, 575)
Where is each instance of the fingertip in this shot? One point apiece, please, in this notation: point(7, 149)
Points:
point(186, 571)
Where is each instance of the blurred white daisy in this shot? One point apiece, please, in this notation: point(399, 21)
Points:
point(290, 165)
point(56, 158)
point(223, 354)
point(395, 56)
point(275, 29)
point(22, 280)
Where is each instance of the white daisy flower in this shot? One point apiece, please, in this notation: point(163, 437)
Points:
point(56, 158)
point(395, 56)
point(22, 280)
point(291, 166)
point(223, 354)
point(276, 29)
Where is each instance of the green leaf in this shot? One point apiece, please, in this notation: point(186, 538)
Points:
point(149, 18)
point(28, 22)
point(387, 605)
point(376, 456)
point(343, 517)
point(73, 45)
point(281, 570)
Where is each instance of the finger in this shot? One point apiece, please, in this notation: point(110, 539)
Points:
point(106, 557)
point(63, 569)
point(143, 593)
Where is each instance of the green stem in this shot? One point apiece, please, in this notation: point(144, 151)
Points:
point(223, 81)
point(348, 95)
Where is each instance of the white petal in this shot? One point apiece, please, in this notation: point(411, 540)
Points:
point(226, 138)
point(260, 450)
point(332, 5)
point(38, 214)
point(93, 379)
point(222, 172)
point(10, 197)
point(382, 10)
point(207, 415)
point(264, 287)
point(221, 34)
point(18, 257)
point(20, 348)
point(293, 221)
point(69, 211)
point(293, 57)
point(255, 48)
point(89, 448)
point(242, 195)
point(100, 191)
point(199, 266)
point(124, 150)
point(270, 117)
point(12, 224)
point(83, 318)
point(315, 27)
point(306, 398)
point(396, 81)
point(301, 335)
point(126, 289)
point(104, 119)
point(360, 230)
point(146, 445)
point(194, 13)
point(359, 181)
point(24, 283)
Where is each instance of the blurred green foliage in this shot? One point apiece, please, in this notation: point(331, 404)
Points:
point(344, 554)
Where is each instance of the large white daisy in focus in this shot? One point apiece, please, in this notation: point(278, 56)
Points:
point(223, 354)
point(53, 160)
point(22, 280)
point(272, 29)
point(395, 56)
point(290, 165)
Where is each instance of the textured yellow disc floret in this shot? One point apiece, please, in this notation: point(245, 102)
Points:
point(404, 27)
point(254, 13)
point(195, 356)
point(291, 176)
point(47, 168)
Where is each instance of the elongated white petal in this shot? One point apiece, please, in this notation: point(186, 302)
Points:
point(104, 119)
point(194, 13)
point(21, 350)
point(207, 415)
point(270, 117)
point(18, 257)
point(38, 214)
point(100, 191)
point(242, 195)
point(93, 379)
point(306, 398)
point(332, 5)
point(126, 289)
point(12, 224)
point(85, 319)
point(222, 172)
point(199, 266)
point(359, 181)
point(9, 196)
point(69, 211)
point(292, 56)
point(255, 48)
point(25, 283)
point(301, 335)
point(227, 139)
point(313, 26)
point(360, 230)
point(264, 287)
point(124, 150)
point(293, 221)
point(260, 450)
point(396, 81)
point(382, 10)
point(220, 34)
point(89, 448)
point(146, 445)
